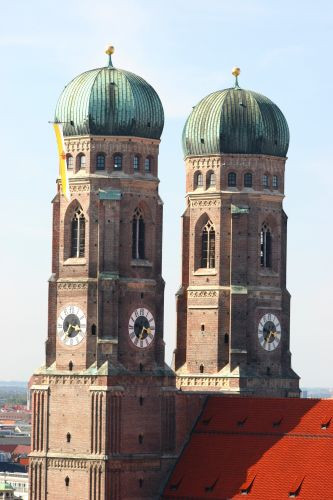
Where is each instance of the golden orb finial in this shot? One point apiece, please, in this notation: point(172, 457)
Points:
point(236, 71)
point(110, 50)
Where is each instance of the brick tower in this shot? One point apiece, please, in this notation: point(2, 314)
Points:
point(233, 305)
point(103, 404)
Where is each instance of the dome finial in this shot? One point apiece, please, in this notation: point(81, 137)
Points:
point(236, 71)
point(109, 51)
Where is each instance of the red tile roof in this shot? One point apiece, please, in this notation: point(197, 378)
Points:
point(267, 449)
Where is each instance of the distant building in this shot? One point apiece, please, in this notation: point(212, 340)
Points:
point(18, 481)
point(6, 491)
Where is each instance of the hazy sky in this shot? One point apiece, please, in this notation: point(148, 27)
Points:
point(185, 49)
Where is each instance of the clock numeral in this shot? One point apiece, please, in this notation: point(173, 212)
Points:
point(136, 313)
point(142, 312)
point(131, 327)
point(141, 343)
point(136, 341)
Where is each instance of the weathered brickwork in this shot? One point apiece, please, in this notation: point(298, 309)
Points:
point(104, 411)
point(219, 306)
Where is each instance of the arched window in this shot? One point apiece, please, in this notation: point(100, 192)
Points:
point(78, 233)
point(81, 162)
point(148, 163)
point(70, 366)
point(100, 161)
point(208, 246)
point(248, 180)
point(202, 368)
point(232, 179)
point(67, 481)
point(68, 437)
point(211, 181)
point(70, 162)
point(138, 235)
point(198, 180)
point(136, 163)
point(117, 162)
point(264, 181)
point(226, 338)
point(265, 247)
point(275, 182)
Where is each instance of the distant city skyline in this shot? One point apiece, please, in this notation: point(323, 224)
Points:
point(185, 51)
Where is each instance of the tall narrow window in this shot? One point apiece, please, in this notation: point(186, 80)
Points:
point(198, 180)
point(138, 235)
point(248, 180)
point(148, 164)
point(275, 182)
point(70, 162)
point(208, 246)
point(81, 163)
point(232, 179)
point(211, 179)
point(264, 181)
point(100, 161)
point(136, 163)
point(78, 234)
point(117, 162)
point(265, 247)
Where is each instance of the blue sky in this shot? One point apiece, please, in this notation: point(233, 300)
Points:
point(185, 49)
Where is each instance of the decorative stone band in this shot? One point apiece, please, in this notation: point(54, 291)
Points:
point(214, 202)
point(236, 384)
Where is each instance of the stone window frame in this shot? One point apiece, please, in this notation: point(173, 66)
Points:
point(248, 179)
point(275, 182)
point(138, 234)
point(198, 180)
point(117, 161)
point(136, 163)
point(265, 181)
point(232, 179)
point(209, 177)
point(81, 161)
point(100, 163)
point(69, 161)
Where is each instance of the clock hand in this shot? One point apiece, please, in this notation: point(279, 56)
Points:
point(67, 331)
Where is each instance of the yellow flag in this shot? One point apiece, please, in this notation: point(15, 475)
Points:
point(62, 160)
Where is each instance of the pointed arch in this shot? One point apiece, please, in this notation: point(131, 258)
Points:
point(208, 245)
point(74, 231)
point(78, 228)
point(265, 246)
point(138, 234)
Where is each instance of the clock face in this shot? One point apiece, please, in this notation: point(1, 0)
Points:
point(269, 332)
point(141, 327)
point(71, 325)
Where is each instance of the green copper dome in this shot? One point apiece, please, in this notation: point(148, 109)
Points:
point(236, 121)
point(110, 101)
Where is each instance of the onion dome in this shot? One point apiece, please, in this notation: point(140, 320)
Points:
point(110, 101)
point(236, 121)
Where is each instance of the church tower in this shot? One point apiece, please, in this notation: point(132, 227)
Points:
point(233, 305)
point(104, 403)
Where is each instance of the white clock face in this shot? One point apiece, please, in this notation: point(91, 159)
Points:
point(269, 332)
point(141, 327)
point(71, 325)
